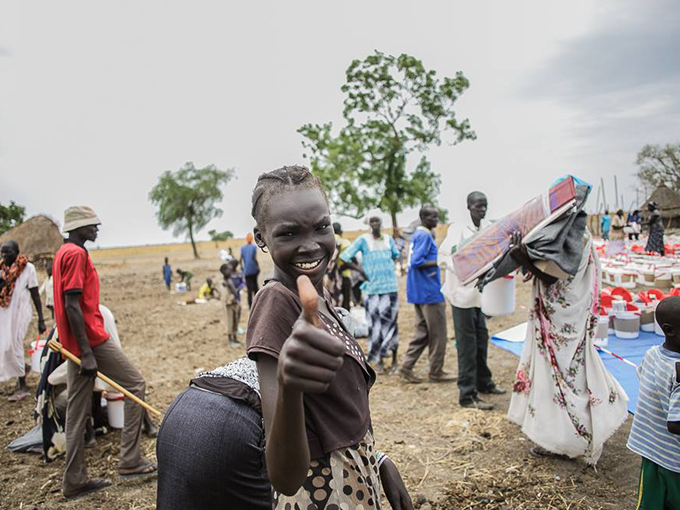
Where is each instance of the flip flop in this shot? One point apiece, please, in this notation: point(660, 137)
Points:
point(146, 468)
point(541, 453)
point(92, 485)
point(18, 396)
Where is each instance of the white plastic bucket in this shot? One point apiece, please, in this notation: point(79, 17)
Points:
point(498, 297)
point(647, 277)
point(627, 325)
point(115, 404)
point(675, 273)
point(181, 287)
point(657, 329)
point(647, 322)
point(619, 305)
point(602, 334)
point(663, 279)
point(35, 351)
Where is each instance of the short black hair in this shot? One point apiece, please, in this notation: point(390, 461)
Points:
point(471, 196)
point(233, 263)
point(11, 243)
point(424, 208)
point(224, 267)
point(277, 181)
point(668, 311)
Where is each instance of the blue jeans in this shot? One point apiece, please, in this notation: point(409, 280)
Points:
point(210, 453)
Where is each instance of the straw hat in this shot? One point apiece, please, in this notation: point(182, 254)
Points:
point(79, 216)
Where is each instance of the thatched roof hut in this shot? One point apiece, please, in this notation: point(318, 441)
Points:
point(669, 204)
point(39, 238)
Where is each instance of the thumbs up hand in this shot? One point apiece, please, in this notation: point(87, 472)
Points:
point(310, 357)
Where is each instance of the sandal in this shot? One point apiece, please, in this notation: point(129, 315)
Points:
point(19, 395)
point(92, 485)
point(146, 468)
point(539, 452)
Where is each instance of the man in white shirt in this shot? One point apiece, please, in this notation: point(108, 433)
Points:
point(472, 337)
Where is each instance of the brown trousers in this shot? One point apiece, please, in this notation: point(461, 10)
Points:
point(431, 333)
point(233, 316)
point(112, 362)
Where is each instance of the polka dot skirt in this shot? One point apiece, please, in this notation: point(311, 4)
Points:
point(346, 479)
point(352, 347)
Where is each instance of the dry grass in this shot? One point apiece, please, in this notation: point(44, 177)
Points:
point(449, 457)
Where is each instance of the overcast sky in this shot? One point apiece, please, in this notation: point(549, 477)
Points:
point(97, 99)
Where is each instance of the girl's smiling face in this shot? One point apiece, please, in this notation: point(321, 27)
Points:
point(297, 230)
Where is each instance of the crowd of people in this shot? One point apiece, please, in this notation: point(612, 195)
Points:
point(289, 424)
point(616, 227)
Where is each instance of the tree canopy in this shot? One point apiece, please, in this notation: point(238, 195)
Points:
point(659, 164)
point(10, 216)
point(220, 236)
point(393, 107)
point(186, 198)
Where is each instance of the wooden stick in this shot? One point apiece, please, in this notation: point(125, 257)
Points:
point(57, 347)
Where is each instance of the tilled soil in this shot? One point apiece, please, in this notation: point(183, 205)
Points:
point(449, 457)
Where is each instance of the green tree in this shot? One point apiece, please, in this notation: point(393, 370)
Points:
point(393, 107)
point(659, 164)
point(220, 236)
point(186, 198)
point(10, 216)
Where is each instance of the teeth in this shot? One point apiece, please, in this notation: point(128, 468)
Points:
point(307, 265)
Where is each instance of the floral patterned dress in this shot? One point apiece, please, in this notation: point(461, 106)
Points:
point(564, 398)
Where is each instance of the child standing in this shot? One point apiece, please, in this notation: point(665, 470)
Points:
point(314, 378)
point(655, 434)
point(231, 292)
point(167, 273)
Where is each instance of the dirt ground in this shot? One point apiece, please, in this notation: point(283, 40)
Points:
point(449, 457)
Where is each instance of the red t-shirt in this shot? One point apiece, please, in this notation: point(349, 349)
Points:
point(73, 271)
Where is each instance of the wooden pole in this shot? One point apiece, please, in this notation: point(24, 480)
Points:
point(616, 192)
point(57, 347)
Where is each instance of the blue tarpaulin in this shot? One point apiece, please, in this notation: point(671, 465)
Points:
point(632, 350)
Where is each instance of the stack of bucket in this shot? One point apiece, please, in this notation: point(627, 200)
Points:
point(626, 315)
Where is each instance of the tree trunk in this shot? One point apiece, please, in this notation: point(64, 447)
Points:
point(395, 226)
point(193, 243)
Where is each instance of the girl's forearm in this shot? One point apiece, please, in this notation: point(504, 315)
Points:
point(287, 448)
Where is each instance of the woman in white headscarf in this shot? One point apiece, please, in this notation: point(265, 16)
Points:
point(564, 398)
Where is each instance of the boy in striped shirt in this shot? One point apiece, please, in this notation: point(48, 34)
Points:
point(655, 434)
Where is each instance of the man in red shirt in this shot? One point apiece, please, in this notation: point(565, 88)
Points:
point(81, 331)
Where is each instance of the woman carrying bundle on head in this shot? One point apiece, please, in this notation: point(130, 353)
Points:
point(564, 398)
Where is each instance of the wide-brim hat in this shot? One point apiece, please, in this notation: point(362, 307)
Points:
point(79, 216)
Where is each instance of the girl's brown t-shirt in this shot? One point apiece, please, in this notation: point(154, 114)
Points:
point(340, 417)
